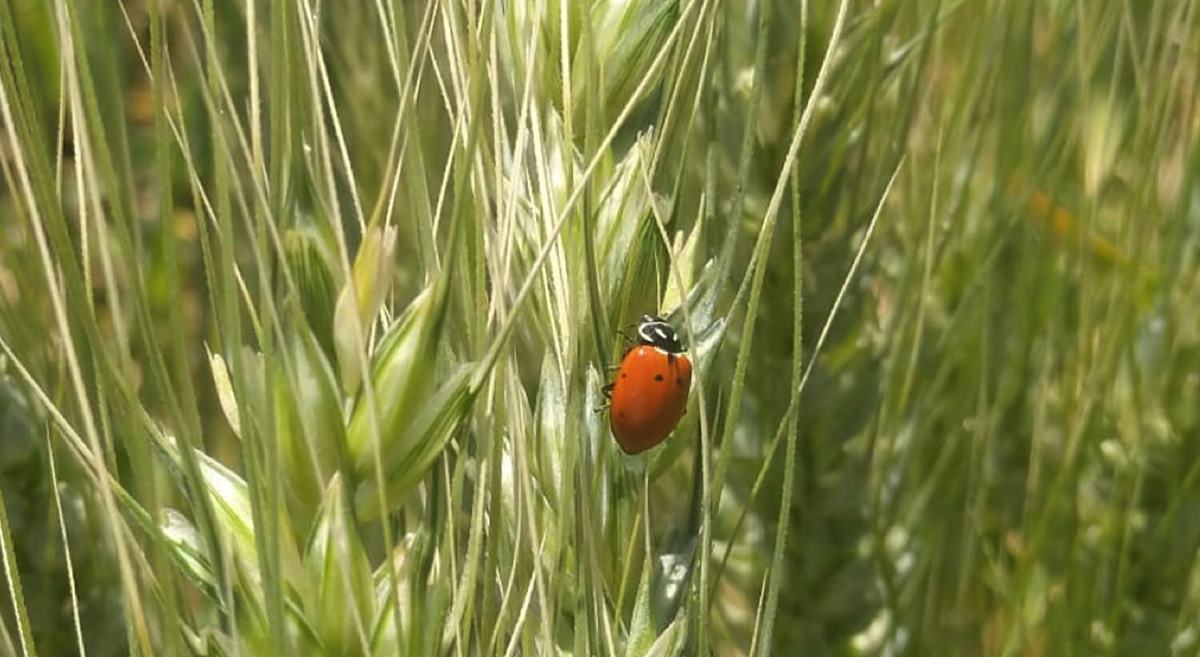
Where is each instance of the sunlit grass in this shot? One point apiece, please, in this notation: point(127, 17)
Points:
point(311, 303)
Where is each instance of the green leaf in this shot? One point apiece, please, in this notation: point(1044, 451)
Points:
point(551, 414)
point(386, 638)
point(629, 34)
point(311, 266)
point(641, 629)
point(225, 394)
point(230, 501)
point(309, 423)
point(342, 599)
point(356, 308)
point(410, 454)
point(403, 376)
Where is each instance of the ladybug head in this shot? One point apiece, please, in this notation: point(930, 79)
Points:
point(656, 332)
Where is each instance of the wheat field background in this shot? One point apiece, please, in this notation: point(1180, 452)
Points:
point(306, 305)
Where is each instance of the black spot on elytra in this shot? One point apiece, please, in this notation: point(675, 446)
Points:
point(620, 413)
point(623, 375)
point(679, 382)
point(658, 377)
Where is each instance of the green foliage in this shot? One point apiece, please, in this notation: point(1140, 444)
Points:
point(305, 309)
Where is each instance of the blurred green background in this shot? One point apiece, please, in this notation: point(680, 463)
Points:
point(997, 450)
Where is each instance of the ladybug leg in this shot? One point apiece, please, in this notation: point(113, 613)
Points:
point(606, 390)
point(629, 335)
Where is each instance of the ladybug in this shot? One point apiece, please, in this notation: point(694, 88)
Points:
point(650, 392)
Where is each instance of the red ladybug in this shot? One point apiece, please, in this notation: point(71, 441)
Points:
point(650, 392)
